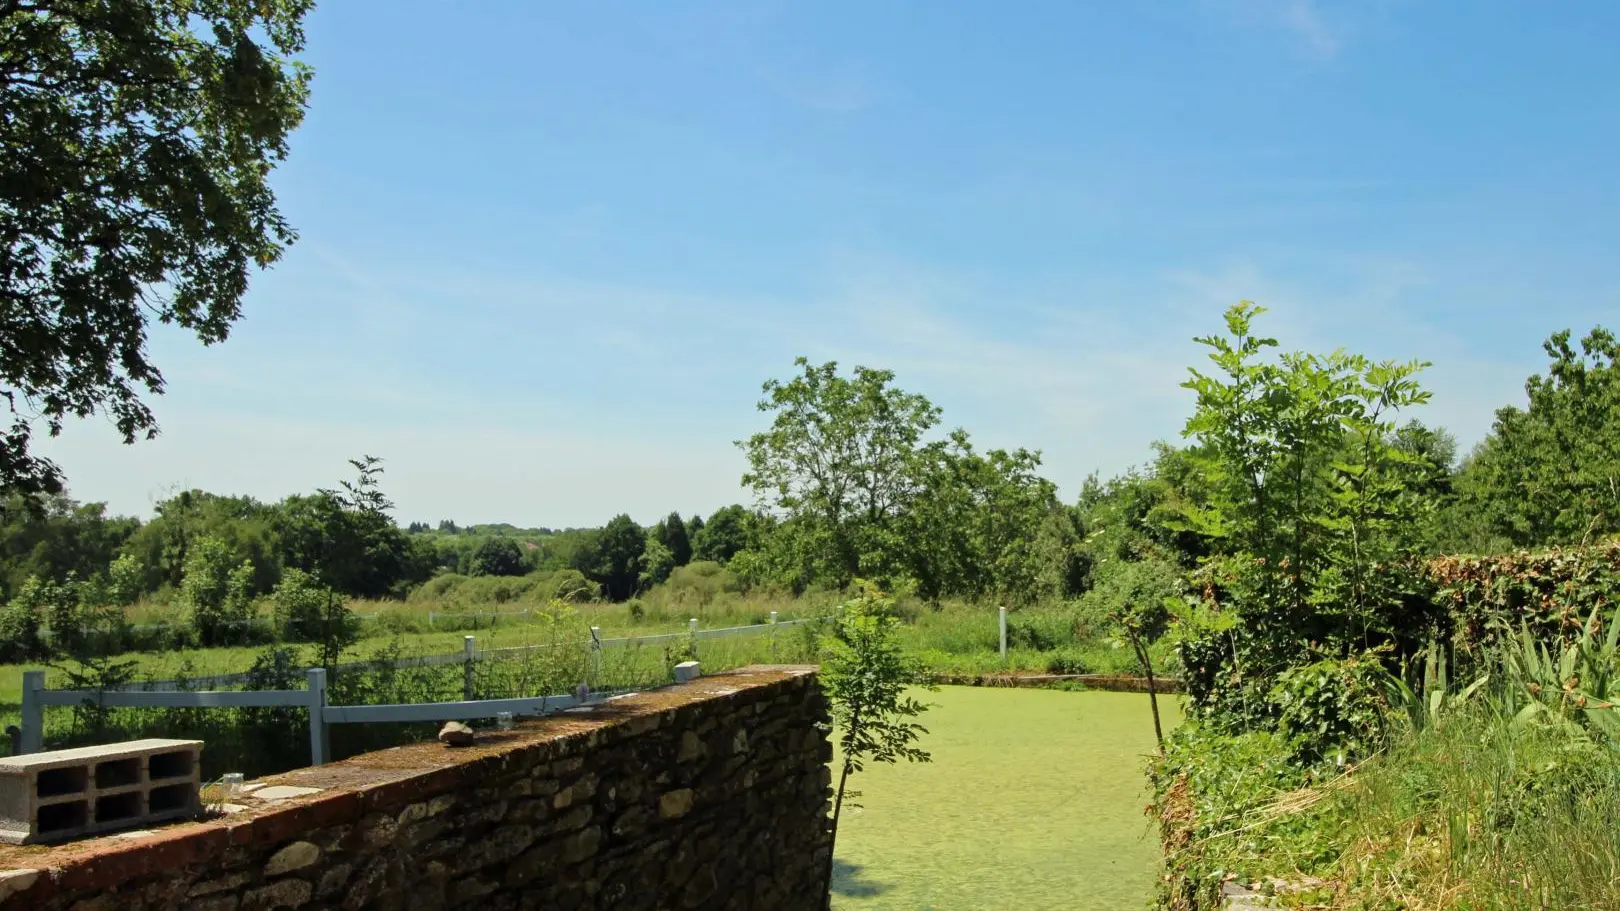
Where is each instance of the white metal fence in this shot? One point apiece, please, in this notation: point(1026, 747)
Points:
point(195, 693)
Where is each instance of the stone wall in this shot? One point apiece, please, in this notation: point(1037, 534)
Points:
point(711, 794)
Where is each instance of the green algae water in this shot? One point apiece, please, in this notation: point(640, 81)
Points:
point(1033, 801)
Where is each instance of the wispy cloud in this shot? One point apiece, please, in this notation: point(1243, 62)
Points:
point(543, 424)
point(846, 87)
point(1304, 19)
point(1315, 33)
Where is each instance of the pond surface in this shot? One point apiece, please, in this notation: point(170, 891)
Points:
point(1034, 801)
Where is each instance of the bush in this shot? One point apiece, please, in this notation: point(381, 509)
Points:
point(701, 581)
point(1041, 630)
point(568, 585)
point(299, 606)
point(19, 632)
point(1332, 708)
point(218, 595)
point(438, 588)
point(1068, 661)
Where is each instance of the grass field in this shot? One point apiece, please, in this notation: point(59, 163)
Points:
point(1033, 801)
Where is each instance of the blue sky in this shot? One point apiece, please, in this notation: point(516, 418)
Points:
point(549, 251)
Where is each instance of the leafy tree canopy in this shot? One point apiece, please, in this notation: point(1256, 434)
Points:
point(499, 556)
point(612, 558)
point(137, 143)
point(672, 533)
point(1550, 473)
point(842, 459)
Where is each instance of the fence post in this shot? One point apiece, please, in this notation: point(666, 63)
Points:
point(595, 668)
point(33, 712)
point(320, 746)
point(691, 627)
point(469, 648)
point(1003, 634)
point(773, 635)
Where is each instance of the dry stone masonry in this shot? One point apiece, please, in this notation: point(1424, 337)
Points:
point(710, 794)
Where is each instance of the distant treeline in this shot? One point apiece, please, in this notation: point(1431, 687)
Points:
point(852, 480)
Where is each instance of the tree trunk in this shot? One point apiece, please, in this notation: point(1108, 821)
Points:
point(832, 839)
point(1153, 688)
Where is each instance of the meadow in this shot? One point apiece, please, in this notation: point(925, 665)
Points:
point(953, 637)
point(1034, 800)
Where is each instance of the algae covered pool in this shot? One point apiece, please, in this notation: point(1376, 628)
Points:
point(1033, 801)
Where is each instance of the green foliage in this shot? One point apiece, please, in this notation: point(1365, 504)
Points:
point(987, 526)
point(1420, 707)
point(1576, 686)
point(452, 591)
point(499, 556)
point(217, 595)
point(1316, 530)
point(867, 675)
point(861, 493)
point(138, 142)
point(124, 581)
point(612, 558)
point(1211, 792)
point(657, 561)
point(246, 525)
point(843, 460)
point(22, 620)
point(307, 611)
point(55, 538)
point(1333, 708)
point(1550, 474)
point(720, 538)
point(346, 537)
point(673, 534)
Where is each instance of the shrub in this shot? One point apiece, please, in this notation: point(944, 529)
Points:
point(299, 606)
point(1550, 592)
point(568, 585)
point(217, 595)
point(699, 582)
point(19, 630)
point(1068, 661)
point(438, 588)
point(1332, 708)
point(1041, 630)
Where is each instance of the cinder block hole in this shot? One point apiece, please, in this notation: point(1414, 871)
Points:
point(169, 765)
point(115, 773)
point(61, 817)
point(56, 782)
point(169, 797)
point(115, 807)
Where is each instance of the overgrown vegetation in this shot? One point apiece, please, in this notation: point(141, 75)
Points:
point(1377, 727)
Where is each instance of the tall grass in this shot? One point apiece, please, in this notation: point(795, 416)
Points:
point(1474, 813)
point(1498, 794)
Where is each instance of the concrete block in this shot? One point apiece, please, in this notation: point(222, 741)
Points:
point(67, 794)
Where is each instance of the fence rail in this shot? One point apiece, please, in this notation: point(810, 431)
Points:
point(432, 620)
point(471, 652)
point(173, 694)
